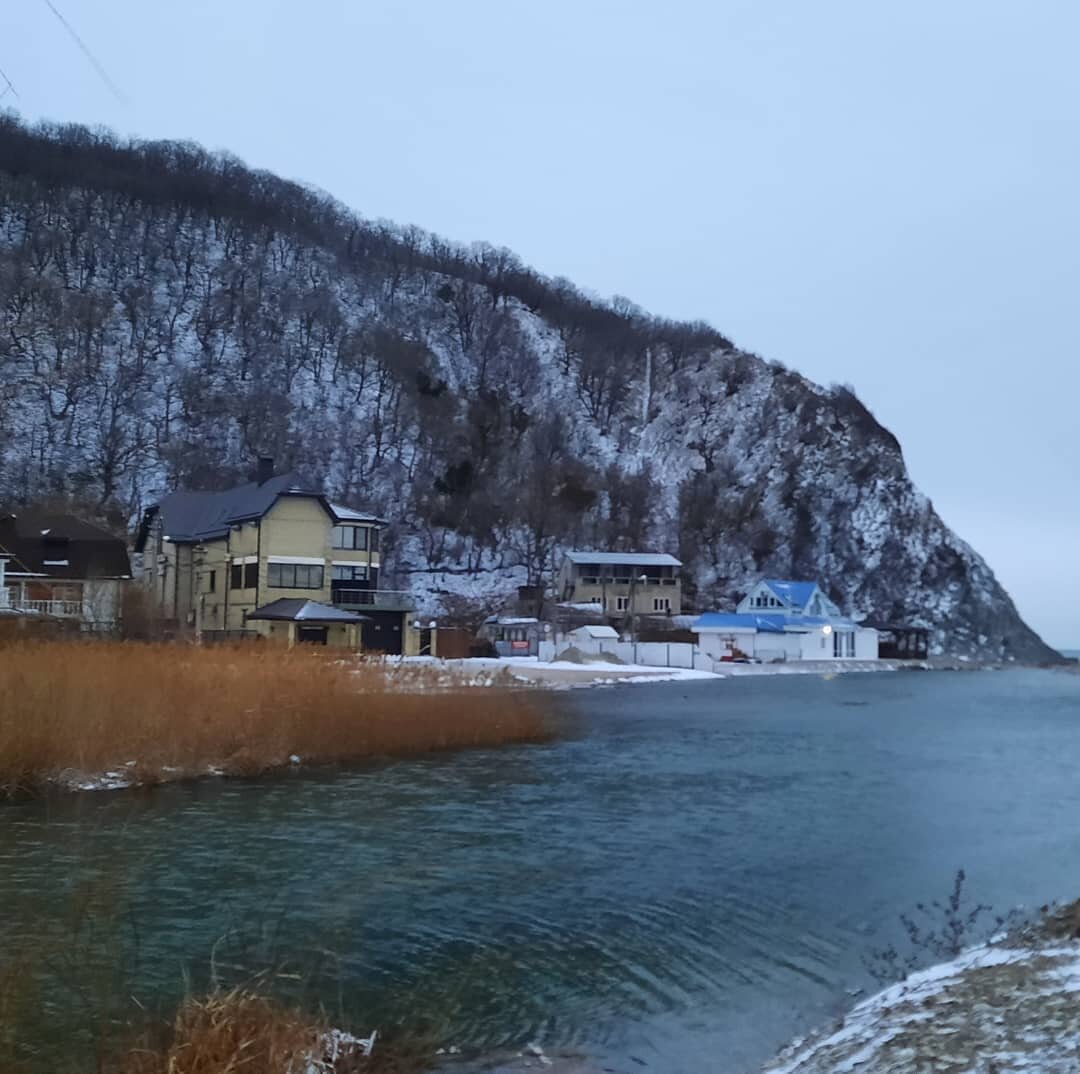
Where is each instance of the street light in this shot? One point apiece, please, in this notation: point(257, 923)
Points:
point(643, 578)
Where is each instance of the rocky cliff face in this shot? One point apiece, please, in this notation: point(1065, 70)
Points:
point(167, 315)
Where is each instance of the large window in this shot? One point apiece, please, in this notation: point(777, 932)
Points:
point(843, 643)
point(294, 576)
point(353, 573)
point(243, 575)
point(352, 538)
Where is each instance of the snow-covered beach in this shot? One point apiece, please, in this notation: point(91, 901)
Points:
point(568, 674)
point(1008, 1007)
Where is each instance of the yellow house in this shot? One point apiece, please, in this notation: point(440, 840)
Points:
point(621, 583)
point(275, 558)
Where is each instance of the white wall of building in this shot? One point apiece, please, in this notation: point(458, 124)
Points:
point(791, 645)
point(866, 644)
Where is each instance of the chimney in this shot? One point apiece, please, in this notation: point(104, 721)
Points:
point(265, 470)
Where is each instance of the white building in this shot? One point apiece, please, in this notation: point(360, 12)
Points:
point(588, 637)
point(785, 620)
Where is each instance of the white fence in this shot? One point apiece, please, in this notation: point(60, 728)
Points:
point(67, 609)
point(660, 654)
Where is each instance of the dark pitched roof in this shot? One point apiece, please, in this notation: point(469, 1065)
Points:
point(203, 516)
point(61, 546)
point(300, 610)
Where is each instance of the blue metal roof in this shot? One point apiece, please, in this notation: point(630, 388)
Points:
point(768, 624)
point(797, 593)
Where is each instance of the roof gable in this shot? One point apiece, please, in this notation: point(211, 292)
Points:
point(797, 594)
point(302, 610)
point(200, 516)
point(53, 545)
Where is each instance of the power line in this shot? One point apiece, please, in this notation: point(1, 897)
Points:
point(86, 52)
point(9, 88)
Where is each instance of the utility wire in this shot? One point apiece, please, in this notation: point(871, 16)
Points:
point(9, 88)
point(86, 52)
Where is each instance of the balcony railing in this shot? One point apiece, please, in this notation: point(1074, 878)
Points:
point(63, 609)
point(596, 580)
point(392, 600)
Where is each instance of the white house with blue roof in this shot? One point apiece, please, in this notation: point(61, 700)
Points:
point(785, 620)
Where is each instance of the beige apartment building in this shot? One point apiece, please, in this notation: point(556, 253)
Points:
point(621, 583)
point(276, 558)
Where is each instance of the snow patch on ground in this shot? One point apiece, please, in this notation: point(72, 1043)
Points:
point(1010, 1010)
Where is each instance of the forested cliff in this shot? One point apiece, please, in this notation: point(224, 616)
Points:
point(167, 315)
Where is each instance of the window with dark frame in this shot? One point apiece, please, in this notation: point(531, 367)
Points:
point(351, 538)
point(236, 576)
point(251, 575)
point(353, 573)
point(294, 576)
point(211, 582)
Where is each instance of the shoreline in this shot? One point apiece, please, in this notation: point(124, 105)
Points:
point(565, 674)
point(419, 677)
point(1007, 1006)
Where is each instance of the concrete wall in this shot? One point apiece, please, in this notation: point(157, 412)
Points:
point(102, 601)
point(719, 646)
point(866, 644)
point(813, 645)
point(653, 654)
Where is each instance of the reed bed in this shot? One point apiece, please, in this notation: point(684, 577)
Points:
point(243, 1032)
point(149, 713)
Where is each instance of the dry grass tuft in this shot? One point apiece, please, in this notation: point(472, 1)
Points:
point(233, 1033)
point(243, 1032)
point(157, 712)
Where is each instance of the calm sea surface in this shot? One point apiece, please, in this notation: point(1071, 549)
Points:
point(689, 876)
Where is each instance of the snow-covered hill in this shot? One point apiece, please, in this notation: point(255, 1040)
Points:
point(167, 315)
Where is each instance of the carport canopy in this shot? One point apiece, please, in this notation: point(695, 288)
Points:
point(299, 610)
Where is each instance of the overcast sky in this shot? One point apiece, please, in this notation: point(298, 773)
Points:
point(884, 194)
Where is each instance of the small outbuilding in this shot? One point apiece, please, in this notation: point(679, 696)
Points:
point(590, 634)
point(293, 620)
point(512, 635)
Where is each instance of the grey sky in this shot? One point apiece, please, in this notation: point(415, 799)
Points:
point(879, 193)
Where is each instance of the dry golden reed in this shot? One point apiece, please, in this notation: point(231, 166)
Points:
point(162, 711)
point(232, 1033)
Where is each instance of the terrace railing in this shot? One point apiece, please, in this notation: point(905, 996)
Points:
point(62, 609)
point(393, 600)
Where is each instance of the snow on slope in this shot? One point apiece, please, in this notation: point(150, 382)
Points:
point(166, 316)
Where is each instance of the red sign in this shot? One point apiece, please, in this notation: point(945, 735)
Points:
point(519, 645)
